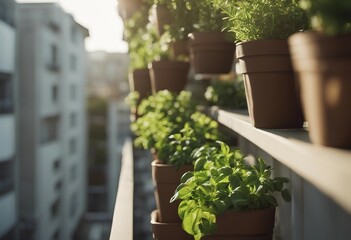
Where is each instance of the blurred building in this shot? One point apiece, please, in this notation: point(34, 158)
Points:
point(108, 74)
point(51, 122)
point(108, 121)
point(8, 215)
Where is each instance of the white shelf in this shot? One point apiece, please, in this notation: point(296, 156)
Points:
point(122, 225)
point(329, 169)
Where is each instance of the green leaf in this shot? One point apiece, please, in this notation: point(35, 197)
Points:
point(286, 195)
point(234, 181)
point(182, 208)
point(186, 176)
point(199, 164)
point(271, 199)
point(226, 170)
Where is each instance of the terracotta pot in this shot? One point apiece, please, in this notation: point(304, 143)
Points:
point(166, 178)
point(211, 52)
point(244, 225)
point(271, 90)
point(127, 8)
point(162, 17)
point(323, 67)
point(140, 81)
point(180, 48)
point(170, 75)
point(167, 231)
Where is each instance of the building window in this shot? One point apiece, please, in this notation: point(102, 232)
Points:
point(7, 175)
point(7, 12)
point(54, 94)
point(6, 103)
point(73, 62)
point(73, 119)
point(72, 146)
point(50, 129)
point(55, 209)
point(53, 64)
point(56, 165)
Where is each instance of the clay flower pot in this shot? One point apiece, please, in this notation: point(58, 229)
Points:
point(323, 67)
point(244, 225)
point(161, 17)
point(271, 90)
point(211, 52)
point(167, 231)
point(126, 8)
point(166, 178)
point(179, 48)
point(140, 81)
point(170, 75)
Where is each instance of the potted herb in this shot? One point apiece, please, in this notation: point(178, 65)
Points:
point(211, 50)
point(160, 15)
point(226, 198)
point(184, 18)
point(167, 72)
point(322, 60)
point(262, 29)
point(174, 159)
point(140, 38)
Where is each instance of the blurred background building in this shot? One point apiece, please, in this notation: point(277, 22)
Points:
point(63, 122)
point(51, 121)
point(8, 211)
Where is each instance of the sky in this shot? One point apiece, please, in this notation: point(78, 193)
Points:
point(101, 18)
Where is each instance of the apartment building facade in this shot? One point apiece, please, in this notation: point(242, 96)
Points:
point(8, 214)
point(51, 122)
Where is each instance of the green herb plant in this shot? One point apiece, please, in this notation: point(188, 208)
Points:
point(262, 19)
point(162, 114)
point(142, 39)
point(329, 16)
point(227, 94)
point(132, 100)
point(200, 130)
point(221, 181)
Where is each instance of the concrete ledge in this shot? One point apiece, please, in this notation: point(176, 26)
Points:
point(122, 225)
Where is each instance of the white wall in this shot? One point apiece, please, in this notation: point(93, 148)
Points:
point(7, 137)
point(7, 212)
point(7, 49)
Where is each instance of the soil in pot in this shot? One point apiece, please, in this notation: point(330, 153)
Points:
point(211, 52)
point(323, 67)
point(167, 231)
point(271, 90)
point(170, 75)
point(166, 178)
